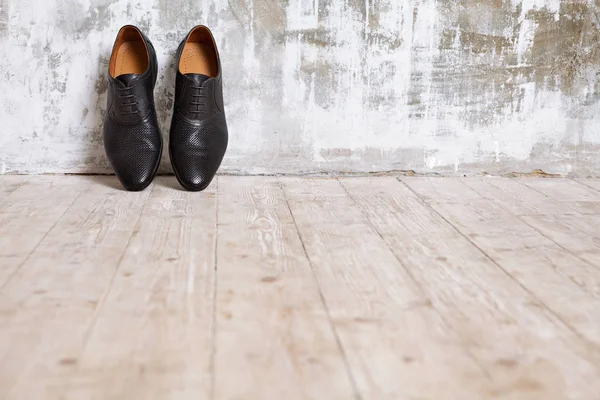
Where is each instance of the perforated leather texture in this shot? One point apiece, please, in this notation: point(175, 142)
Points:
point(197, 150)
point(199, 136)
point(132, 137)
point(134, 151)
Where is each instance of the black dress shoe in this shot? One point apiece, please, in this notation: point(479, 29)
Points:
point(131, 135)
point(199, 136)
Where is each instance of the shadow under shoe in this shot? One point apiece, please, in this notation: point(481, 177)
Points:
point(199, 136)
point(131, 133)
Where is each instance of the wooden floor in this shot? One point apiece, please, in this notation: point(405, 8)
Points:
point(287, 288)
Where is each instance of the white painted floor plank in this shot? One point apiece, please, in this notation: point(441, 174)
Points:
point(28, 213)
point(563, 189)
point(48, 306)
point(520, 199)
point(476, 288)
point(579, 235)
point(274, 339)
point(154, 336)
point(561, 222)
point(551, 274)
point(591, 183)
point(397, 346)
point(10, 183)
point(501, 324)
point(585, 199)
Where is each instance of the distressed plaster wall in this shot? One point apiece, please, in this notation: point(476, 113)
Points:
point(323, 85)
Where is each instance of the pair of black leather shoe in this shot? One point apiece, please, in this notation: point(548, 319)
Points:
point(198, 137)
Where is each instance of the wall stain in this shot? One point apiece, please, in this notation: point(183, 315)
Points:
point(431, 86)
point(4, 18)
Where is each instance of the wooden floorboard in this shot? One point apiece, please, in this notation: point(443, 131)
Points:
point(271, 321)
point(369, 288)
point(396, 345)
point(582, 197)
point(576, 234)
point(49, 305)
point(564, 223)
point(518, 197)
point(28, 213)
point(548, 272)
point(562, 189)
point(591, 183)
point(10, 183)
point(153, 335)
point(472, 294)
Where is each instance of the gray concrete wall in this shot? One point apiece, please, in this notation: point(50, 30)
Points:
point(453, 86)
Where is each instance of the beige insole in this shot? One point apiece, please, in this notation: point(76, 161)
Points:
point(198, 58)
point(131, 58)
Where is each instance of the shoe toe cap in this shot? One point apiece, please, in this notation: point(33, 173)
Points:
point(195, 168)
point(196, 178)
point(136, 184)
point(135, 172)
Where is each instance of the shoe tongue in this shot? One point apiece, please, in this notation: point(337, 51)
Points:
point(127, 78)
point(198, 79)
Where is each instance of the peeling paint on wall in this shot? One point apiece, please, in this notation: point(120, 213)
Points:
point(323, 85)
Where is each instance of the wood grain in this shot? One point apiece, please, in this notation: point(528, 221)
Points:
point(548, 272)
point(10, 183)
point(154, 336)
point(563, 189)
point(499, 322)
point(519, 198)
point(28, 213)
point(564, 223)
point(591, 183)
point(581, 197)
point(579, 235)
point(271, 322)
point(264, 288)
point(49, 305)
point(397, 345)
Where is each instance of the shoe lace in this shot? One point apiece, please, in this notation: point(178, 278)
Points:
point(199, 106)
point(127, 94)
